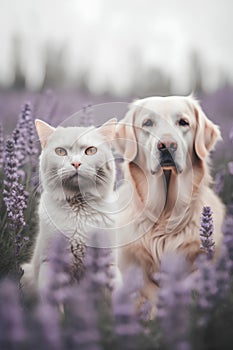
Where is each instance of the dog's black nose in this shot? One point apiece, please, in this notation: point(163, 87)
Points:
point(167, 145)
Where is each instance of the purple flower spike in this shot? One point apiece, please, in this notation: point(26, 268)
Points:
point(12, 328)
point(219, 181)
point(127, 325)
point(30, 130)
point(1, 146)
point(228, 239)
point(231, 135)
point(206, 232)
point(47, 325)
point(206, 285)
point(87, 116)
point(82, 319)
point(214, 278)
point(98, 267)
point(58, 279)
point(230, 167)
point(24, 135)
point(174, 298)
point(14, 195)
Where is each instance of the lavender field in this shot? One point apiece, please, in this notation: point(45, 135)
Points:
point(193, 311)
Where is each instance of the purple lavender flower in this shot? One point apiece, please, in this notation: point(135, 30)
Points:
point(14, 195)
point(19, 138)
point(174, 298)
point(46, 325)
point(89, 297)
point(87, 116)
point(12, 329)
point(146, 310)
point(57, 285)
point(91, 272)
point(31, 135)
point(82, 318)
point(127, 325)
point(98, 268)
point(15, 198)
point(213, 278)
point(1, 146)
point(230, 167)
point(219, 181)
point(206, 286)
point(223, 274)
point(231, 135)
point(11, 164)
point(212, 283)
point(24, 135)
point(60, 291)
point(228, 238)
point(224, 264)
point(206, 232)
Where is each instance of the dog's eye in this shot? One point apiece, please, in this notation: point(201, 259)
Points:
point(147, 122)
point(61, 151)
point(91, 150)
point(183, 122)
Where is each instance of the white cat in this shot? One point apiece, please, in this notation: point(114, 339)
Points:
point(77, 173)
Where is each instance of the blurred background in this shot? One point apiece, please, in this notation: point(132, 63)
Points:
point(63, 54)
point(116, 47)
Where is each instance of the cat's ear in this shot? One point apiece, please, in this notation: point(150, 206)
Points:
point(44, 130)
point(108, 129)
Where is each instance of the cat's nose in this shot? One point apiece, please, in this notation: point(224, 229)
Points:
point(76, 164)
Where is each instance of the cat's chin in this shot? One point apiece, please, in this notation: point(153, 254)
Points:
point(71, 183)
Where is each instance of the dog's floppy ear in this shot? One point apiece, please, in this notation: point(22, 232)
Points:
point(207, 133)
point(108, 129)
point(125, 136)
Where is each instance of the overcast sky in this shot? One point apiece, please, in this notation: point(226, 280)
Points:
point(106, 37)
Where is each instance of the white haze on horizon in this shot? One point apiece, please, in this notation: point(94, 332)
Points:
point(112, 39)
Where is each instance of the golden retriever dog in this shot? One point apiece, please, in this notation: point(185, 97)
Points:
point(166, 143)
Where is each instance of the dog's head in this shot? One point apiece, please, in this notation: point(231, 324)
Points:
point(159, 133)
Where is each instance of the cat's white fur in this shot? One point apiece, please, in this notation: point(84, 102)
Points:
point(56, 214)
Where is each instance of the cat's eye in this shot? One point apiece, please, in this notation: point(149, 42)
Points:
point(61, 151)
point(183, 122)
point(147, 122)
point(90, 150)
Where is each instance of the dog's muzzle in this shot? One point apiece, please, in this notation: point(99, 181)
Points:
point(167, 149)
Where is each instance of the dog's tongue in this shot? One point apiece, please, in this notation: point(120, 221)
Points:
point(167, 174)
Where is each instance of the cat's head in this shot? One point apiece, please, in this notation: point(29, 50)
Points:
point(77, 160)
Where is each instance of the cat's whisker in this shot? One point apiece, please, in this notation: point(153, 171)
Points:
point(54, 178)
point(36, 188)
point(51, 177)
point(53, 172)
point(102, 178)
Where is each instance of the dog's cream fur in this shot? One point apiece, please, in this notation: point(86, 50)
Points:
point(161, 211)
